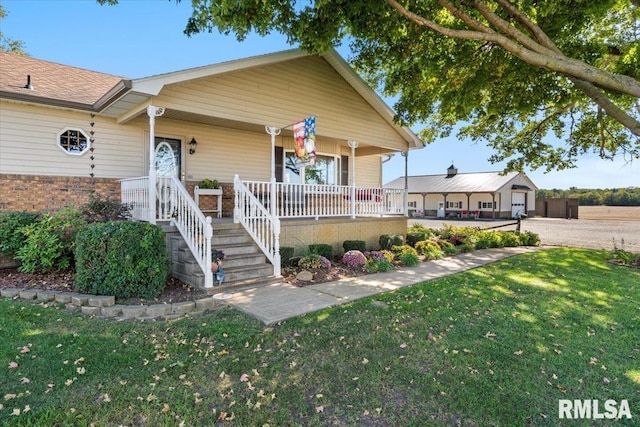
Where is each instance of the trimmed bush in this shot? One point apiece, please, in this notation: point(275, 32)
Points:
point(322, 250)
point(409, 259)
point(286, 253)
point(354, 245)
point(121, 258)
point(397, 240)
point(385, 241)
point(354, 259)
point(414, 237)
point(11, 236)
point(49, 242)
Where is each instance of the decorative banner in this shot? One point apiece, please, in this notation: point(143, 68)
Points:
point(304, 134)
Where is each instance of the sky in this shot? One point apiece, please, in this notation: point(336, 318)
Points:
point(141, 38)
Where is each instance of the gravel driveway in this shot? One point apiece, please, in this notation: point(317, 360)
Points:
point(594, 234)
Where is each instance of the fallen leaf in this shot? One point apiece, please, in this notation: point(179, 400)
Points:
point(24, 380)
point(16, 411)
point(606, 380)
point(490, 335)
point(244, 378)
point(25, 349)
point(165, 408)
point(365, 361)
point(518, 353)
point(222, 375)
point(13, 365)
point(319, 409)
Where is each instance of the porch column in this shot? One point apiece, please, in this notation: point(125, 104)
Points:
point(493, 205)
point(152, 112)
point(468, 204)
point(273, 131)
point(353, 145)
point(405, 197)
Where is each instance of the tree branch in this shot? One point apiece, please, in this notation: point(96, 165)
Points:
point(562, 64)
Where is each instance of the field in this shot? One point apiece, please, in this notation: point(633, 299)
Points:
point(618, 213)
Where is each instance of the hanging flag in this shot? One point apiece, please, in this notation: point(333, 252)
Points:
point(304, 134)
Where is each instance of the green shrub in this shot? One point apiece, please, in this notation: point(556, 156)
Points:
point(397, 240)
point(11, 236)
point(354, 245)
point(444, 244)
point(121, 258)
point(98, 209)
point(465, 248)
point(403, 249)
point(286, 253)
point(322, 250)
point(388, 241)
point(487, 239)
point(414, 237)
point(450, 250)
point(419, 228)
point(385, 241)
point(314, 261)
point(49, 242)
point(410, 259)
point(430, 249)
point(378, 265)
point(529, 238)
point(509, 239)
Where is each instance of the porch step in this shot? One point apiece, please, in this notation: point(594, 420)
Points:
point(245, 265)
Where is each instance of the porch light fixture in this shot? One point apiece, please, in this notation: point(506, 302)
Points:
point(193, 144)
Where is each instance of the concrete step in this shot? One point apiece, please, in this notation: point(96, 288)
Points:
point(243, 260)
point(240, 248)
point(230, 238)
point(233, 274)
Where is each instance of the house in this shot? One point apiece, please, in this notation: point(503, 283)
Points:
point(65, 132)
point(469, 195)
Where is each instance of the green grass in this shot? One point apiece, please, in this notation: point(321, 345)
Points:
point(495, 346)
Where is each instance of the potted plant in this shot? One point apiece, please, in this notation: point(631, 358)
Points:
point(208, 184)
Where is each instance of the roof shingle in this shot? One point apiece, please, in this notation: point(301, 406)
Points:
point(52, 81)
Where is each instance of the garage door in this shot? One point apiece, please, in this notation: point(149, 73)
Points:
point(517, 204)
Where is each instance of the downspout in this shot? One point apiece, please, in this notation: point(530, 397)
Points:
point(152, 112)
point(353, 145)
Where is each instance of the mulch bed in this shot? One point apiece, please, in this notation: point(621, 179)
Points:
point(174, 291)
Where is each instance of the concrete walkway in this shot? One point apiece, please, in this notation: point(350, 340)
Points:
point(281, 301)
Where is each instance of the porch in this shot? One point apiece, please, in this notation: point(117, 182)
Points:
point(272, 214)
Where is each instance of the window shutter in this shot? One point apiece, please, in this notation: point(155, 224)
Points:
point(344, 170)
point(278, 155)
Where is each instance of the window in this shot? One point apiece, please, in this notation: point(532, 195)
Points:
point(73, 141)
point(485, 205)
point(412, 204)
point(325, 171)
point(454, 205)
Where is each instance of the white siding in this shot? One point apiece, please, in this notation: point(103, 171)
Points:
point(280, 94)
point(28, 144)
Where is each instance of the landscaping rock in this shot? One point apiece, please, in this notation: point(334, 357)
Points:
point(305, 276)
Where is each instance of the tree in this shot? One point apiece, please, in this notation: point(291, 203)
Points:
point(511, 73)
point(7, 44)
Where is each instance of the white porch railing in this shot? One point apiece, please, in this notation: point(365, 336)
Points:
point(319, 200)
point(259, 223)
point(173, 203)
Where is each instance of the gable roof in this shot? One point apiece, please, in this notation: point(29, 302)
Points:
point(113, 96)
point(478, 182)
point(53, 84)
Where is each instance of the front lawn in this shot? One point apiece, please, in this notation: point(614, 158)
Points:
point(494, 346)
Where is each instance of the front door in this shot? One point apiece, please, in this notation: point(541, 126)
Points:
point(518, 204)
point(168, 165)
point(168, 157)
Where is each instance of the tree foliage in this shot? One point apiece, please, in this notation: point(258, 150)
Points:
point(594, 197)
point(510, 73)
point(7, 44)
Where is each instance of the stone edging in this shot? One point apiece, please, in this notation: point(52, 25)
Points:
point(106, 307)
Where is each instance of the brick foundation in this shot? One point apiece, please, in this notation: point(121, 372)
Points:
point(32, 193)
